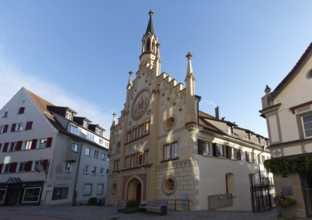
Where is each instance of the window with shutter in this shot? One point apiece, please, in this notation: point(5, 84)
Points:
point(5, 147)
point(13, 127)
point(13, 167)
point(49, 142)
point(228, 152)
point(239, 154)
point(214, 149)
point(45, 164)
point(18, 145)
point(5, 129)
point(28, 166)
point(34, 144)
point(29, 125)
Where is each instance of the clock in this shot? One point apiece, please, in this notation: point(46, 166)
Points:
point(140, 104)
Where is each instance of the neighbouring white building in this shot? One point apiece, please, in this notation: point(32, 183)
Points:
point(48, 155)
point(163, 147)
point(288, 112)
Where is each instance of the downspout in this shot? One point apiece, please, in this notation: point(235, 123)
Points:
point(76, 179)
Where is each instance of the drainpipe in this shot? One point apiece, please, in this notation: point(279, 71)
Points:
point(76, 179)
point(259, 164)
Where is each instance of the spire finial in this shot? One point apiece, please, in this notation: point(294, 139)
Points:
point(151, 13)
point(267, 89)
point(189, 55)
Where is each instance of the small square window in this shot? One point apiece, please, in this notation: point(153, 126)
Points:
point(85, 168)
point(21, 110)
point(88, 151)
point(74, 147)
point(68, 167)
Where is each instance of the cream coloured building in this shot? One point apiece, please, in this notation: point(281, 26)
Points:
point(288, 112)
point(163, 147)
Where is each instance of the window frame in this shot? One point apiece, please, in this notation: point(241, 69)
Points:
point(85, 168)
point(21, 110)
point(74, 147)
point(33, 201)
point(88, 151)
point(84, 193)
point(303, 125)
point(63, 193)
point(171, 151)
point(68, 167)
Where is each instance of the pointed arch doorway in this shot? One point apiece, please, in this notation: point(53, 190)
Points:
point(135, 190)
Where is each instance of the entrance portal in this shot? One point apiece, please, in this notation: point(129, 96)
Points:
point(134, 190)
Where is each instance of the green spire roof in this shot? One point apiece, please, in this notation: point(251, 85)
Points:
point(150, 26)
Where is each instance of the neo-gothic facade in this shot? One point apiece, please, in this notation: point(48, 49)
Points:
point(163, 147)
point(48, 155)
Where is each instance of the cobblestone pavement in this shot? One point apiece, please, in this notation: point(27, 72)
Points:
point(110, 213)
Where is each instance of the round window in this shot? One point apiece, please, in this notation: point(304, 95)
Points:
point(169, 185)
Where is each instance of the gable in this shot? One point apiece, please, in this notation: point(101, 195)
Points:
point(298, 88)
point(300, 67)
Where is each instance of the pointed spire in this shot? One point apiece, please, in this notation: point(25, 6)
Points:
point(189, 65)
point(150, 26)
point(130, 83)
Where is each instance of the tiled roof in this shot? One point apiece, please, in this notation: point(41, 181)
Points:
point(43, 105)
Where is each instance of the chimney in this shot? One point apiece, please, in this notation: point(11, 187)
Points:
point(217, 111)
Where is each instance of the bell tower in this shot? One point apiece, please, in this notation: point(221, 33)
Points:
point(150, 46)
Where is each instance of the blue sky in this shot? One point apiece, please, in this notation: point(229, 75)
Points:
point(78, 53)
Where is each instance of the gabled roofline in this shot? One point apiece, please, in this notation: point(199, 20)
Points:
point(295, 70)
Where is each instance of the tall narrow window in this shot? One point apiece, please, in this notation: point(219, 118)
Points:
point(133, 160)
point(170, 151)
point(147, 127)
point(3, 128)
point(307, 125)
point(129, 136)
point(96, 154)
point(141, 131)
point(140, 159)
point(220, 150)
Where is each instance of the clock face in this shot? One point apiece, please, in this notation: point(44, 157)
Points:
point(140, 104)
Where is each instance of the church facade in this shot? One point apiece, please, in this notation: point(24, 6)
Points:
point(163, 147)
